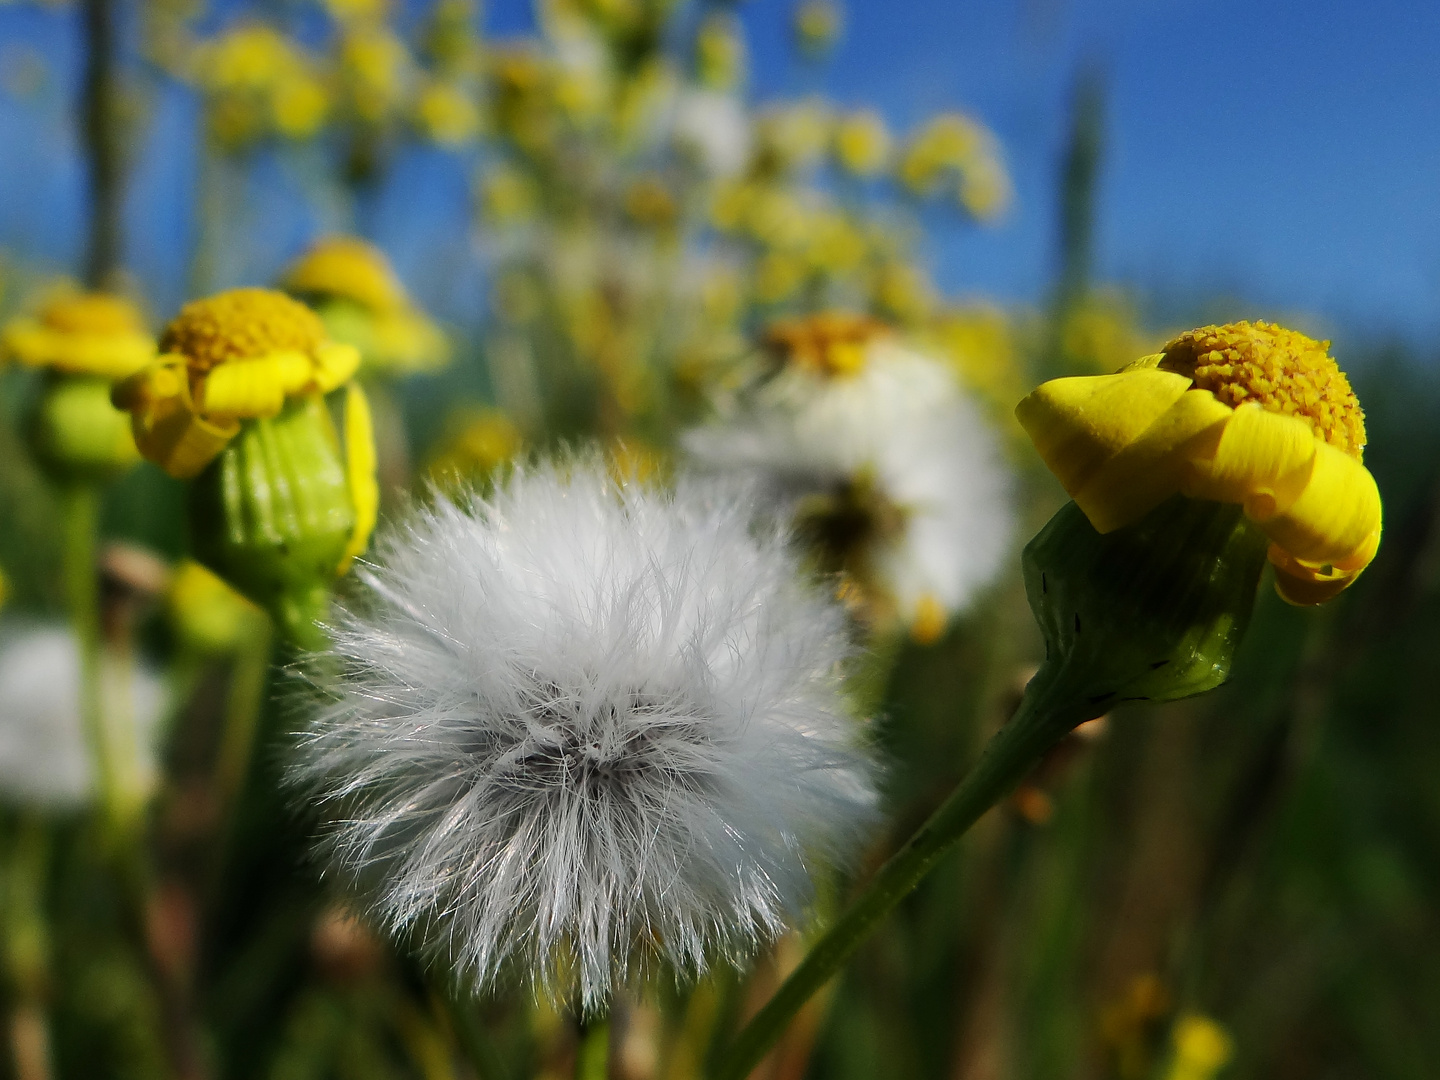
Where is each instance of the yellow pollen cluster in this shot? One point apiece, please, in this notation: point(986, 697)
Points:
point(93, 313)
point(831, 343)
point(1284, 371)
point(349, 269)
point(239, 324)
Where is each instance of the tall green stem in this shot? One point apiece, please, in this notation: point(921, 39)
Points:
point(592, 1055)
point(81, 509)
point(1049, 711)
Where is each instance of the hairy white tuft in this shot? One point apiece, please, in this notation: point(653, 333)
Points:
point(583, 726)
point(902, 423)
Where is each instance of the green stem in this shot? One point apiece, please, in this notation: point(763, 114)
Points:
point(1049, 711)
point(592, 1056)
point(99, 108)
point(27, 950)
point(81, 511)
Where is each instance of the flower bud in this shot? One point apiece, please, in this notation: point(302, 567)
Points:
point(76, 434)
point(273, 515)
point(1153, 611)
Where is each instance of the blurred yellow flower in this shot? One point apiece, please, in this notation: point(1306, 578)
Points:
point(507, 196)
point(980, 341)
point(1202, 1049)
point(352, 286)
point(228, 358)
point(794, 137)
point(256, 81)
point(1102, 332)
point(447, 114)
point(817, 25)
point(903, 291)
point(209, 616)
point(1247, 413)
point(953, 149)
point(481, 440)
point(720, 51)
point(356, 11)
point(81, 333)
point(829, 343)
point(377, 69)
point(862, 143)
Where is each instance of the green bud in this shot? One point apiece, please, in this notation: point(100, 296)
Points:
point(1150, 612)
point(272, 515)
point(76, 434)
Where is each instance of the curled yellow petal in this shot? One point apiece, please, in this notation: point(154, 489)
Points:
point(1079, 424)
point(359, 472)
point(167, 429)
point(1263, 462)
point(335, 363)
point(1149, 470)
point(1336, 519)
point(254, 387)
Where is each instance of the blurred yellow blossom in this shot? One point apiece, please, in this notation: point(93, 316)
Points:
point(1202, 1049)
point(447, 114)
point(795, 136)
point(720, 51)
point(480, 440)
point(508, 196)
point(954, 152)
point(377, 71)
point(257, 83)
point(980, 341)
point(817, 25)
point(1102, 332)
point(81, 333)
point(862, 143)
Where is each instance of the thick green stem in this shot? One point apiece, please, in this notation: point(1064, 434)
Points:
point(81, 504)
point(1048, 712)
point(592, 1055)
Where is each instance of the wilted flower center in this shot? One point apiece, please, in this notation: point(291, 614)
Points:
point(93, 313)
point(239, 324)
point(1282, 370)
point(831, 343)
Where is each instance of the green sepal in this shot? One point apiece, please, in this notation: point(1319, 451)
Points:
point(1154, 611)
point(272, 515)
point(76, 434)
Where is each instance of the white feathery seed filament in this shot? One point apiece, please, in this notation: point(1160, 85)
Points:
point(578, 727)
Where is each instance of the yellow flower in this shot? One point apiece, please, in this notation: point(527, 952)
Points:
point(447, 114)
point(720, 51)
point(228, 358)
point(82, 334)
point(862, 143)
point(358, 295)
point(817, 25)
point(1248, 414)
point(1202, 1049)
point(482, 440)
point(831, 343)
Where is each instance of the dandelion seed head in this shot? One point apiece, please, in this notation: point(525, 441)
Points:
point(581, 727)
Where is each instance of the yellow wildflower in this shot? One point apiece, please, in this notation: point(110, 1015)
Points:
point(482, 440)
point(817, 25)
point(720, 51)
point(81, 334)
point(377, 68)
point(1202, 1049)
point(447, 114)
point(862, 143)
point(830, 343)
point(1249, 414)
point(358, 295)
point(228, 358)
point(980, 341)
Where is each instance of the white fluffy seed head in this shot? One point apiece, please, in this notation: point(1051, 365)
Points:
point(579, 727)
point(901, 427)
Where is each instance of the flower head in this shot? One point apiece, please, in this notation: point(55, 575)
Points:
point(361, 301)
point(1249, 414)
point(230, 357)
point(889, 471)
point(583, 725)
point(83, 333)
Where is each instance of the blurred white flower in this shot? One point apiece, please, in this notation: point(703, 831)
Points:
point(713, 130)
point(44, 758)
point(582, 726)
point(889, 470)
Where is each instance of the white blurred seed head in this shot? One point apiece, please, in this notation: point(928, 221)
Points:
point(579, 727)
point(44, 758)
point(901, 427)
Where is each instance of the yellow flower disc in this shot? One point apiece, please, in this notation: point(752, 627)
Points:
point(82, 334)
point(1281, 370)
point(93, 313)
point(347, 268)
point(240, 324)
point(831, 343)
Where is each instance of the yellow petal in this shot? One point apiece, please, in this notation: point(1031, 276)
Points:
point(335, 363)
point(1263, 462)
point(1336, 519)
point(1303, 583)
point(256, 386)
point(112, 355)
point(1078, 424)
point(359, 471)
point(1152, 468)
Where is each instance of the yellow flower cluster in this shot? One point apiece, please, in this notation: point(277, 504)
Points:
point(1247, 413)
point(228, 358)
point(258, 83)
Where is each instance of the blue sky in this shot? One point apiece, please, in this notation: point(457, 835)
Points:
point(1280, 151)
